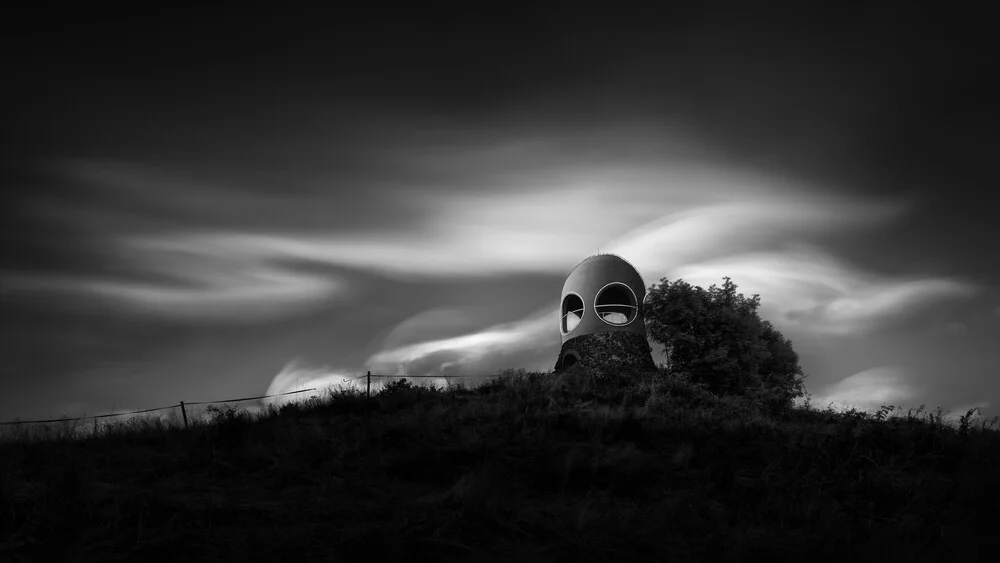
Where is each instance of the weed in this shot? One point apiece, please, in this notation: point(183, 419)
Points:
point(574, 465)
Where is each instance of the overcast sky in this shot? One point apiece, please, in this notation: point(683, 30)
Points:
point(210, 205)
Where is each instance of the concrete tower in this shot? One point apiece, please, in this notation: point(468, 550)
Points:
point(601, 317)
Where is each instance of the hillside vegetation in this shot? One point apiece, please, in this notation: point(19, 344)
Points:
point(528, 467)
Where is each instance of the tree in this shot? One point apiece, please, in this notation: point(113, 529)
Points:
point(780, 372)
point(717, 336)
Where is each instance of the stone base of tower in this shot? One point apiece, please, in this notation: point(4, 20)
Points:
point(611, 351)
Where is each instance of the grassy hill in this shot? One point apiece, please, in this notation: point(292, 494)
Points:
point(530, 467)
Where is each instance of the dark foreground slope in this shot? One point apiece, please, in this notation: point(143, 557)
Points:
point(530, 468)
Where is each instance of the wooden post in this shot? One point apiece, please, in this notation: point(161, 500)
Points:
point(184, 414)
point(368, 392)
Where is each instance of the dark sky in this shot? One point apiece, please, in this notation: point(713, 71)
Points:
point(202, 205)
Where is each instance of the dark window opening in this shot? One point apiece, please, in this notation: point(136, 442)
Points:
point(569, 359)
point(572, 312)
point(616, 304)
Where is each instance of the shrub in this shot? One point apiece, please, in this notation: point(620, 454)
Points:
point(717, 337)
point(397, 386)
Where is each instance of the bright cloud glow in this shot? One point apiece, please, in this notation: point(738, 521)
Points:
point(811, 290)
point(805, 287)
point(479, 353)
point(869, 390)
point(886, 385)
point(470, 354)
point(517, 223)
point(296, 376)
point(435, 323)
point(673, 240)
point(198, 286)
point(503, 210)
point(473, 238)
point(252, 294)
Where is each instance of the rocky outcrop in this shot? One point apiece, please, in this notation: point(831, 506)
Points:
point(608, 351)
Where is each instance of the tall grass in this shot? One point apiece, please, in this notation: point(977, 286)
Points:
point(528, 466)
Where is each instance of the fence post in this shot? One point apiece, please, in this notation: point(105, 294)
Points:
point(184, 414)
point(368, 392)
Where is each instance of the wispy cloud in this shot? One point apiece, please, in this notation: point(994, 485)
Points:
point(436, 323)
point(803, 287)
point(504, 211)
point(869, 390)
point(659, 247)
point(525, 343)
point(811, 290)
point(475, 353)
point(885, 385)
point(297, 376)
point(189, 282)
point(548, 231)
point(695, 219)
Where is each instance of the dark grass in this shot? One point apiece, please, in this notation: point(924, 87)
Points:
point(531, 467)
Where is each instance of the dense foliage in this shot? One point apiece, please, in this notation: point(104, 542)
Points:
point(717, 336)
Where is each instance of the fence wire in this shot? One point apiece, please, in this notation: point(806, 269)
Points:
point(129, 413)
point(246, 398)
point(186, 403)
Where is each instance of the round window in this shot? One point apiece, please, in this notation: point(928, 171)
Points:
point(616, 304)
point(572, 312)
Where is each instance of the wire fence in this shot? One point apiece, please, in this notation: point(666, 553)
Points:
point(183, 404)
point(180, 405)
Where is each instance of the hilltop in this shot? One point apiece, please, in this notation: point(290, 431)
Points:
point(528, 467)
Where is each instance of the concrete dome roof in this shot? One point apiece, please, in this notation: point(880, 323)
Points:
point(614, 282)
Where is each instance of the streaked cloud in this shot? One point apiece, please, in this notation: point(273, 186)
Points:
point(475, 353)
point(502, 209)
point(525, 343)
point(473, 237)
point(869, 390)
point(808, 288)
point(297, 376)
point(887, 385)
point(506, 208)
point(803, 286)
point(438, 322)
point(659, 247)
point(188, 282)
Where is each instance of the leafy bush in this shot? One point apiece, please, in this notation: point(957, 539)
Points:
point(717, 336)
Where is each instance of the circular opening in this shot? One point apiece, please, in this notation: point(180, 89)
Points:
point(572, 312)
point(616, 304)
point(570, 359)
